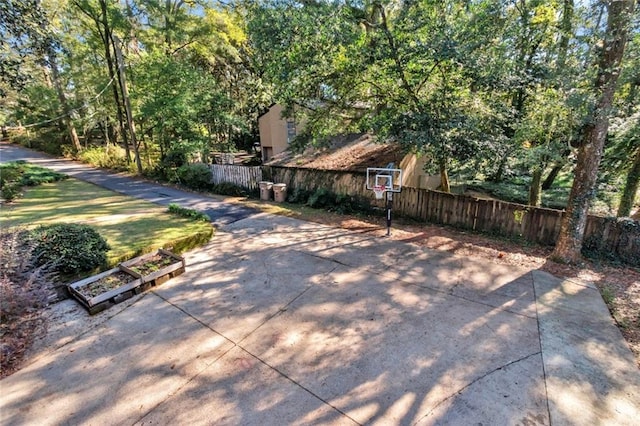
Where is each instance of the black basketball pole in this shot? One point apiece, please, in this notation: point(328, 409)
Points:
point(389, 198)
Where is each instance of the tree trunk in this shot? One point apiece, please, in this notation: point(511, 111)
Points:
point(566, 28)
point(127, 104)
point(551, 177)
point(66, 119)
point(496, 177)
point(535, 192)
point(444, 178)
point(569, 244)
point(630, 188)
point(112, 74)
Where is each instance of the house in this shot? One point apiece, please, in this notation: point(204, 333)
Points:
point(276, 131)
point(354, 152)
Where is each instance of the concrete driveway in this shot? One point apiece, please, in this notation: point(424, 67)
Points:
point(279, 321)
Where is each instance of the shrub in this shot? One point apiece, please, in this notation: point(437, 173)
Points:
point(50, 141)
point(68, 248)
point(321, 198)
point(195, 176)
point(108, 157)
point(324, 199)
point(299, 196)
point(190, 213)
point(346, 204)
point(11, 191)
point(16, 174)
point(174, 158)
point(10, 172)
point(228, 188)
point(34, 176)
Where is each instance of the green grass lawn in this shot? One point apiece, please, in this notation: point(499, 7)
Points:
point(130, 226)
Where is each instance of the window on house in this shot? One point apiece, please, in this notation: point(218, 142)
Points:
point(291, 130)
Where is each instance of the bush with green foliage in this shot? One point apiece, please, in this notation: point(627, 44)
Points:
point(14, 175)
point(167, 167)
point(11, 172)
point(228, 188)
point(10, 191)
point(68, 248)
point(48, 140)
point(299, 196)
point(322, 198)
point(195, 176)
point(190, 213)
point(175, 158)
point(108, 157)
point(346, 204)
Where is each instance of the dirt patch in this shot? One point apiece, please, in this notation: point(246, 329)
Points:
point(105, 284)
point(152, 264)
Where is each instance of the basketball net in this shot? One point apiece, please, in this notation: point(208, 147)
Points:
point(379, 191)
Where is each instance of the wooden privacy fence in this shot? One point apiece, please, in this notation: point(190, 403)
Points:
point(243, 176)
point(335, 181)
point(607, 236)
point(620, 237)
point(490, 216)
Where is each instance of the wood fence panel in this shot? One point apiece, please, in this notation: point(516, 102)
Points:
point(445, 209)
point(539, 225)
point(243, 176)
point(482, 215)
point(435, 207)
point(421, 206)
point(469, 212)
point(431, 207)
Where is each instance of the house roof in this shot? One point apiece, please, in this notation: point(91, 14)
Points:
point(267, 110)
point(354, 152)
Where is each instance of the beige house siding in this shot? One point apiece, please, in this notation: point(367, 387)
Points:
point(275, 132)
point(413, 174)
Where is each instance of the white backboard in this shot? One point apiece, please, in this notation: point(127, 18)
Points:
point(391, 179)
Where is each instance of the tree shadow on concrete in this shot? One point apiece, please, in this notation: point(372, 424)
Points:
point(290, 322)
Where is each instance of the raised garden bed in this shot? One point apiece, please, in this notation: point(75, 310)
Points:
point(134, 276)
point(155, 268)
point(104, 290)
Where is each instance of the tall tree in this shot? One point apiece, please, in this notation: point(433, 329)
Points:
point(632, 184)
point(21, 36)
point(396, 69)
point(25, 31)
point(66, 116)
point(569, 244)
point(101, 15)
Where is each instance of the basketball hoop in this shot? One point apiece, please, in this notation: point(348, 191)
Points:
point(379, 191)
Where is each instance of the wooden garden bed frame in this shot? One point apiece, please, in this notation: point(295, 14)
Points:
point(137, 285)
